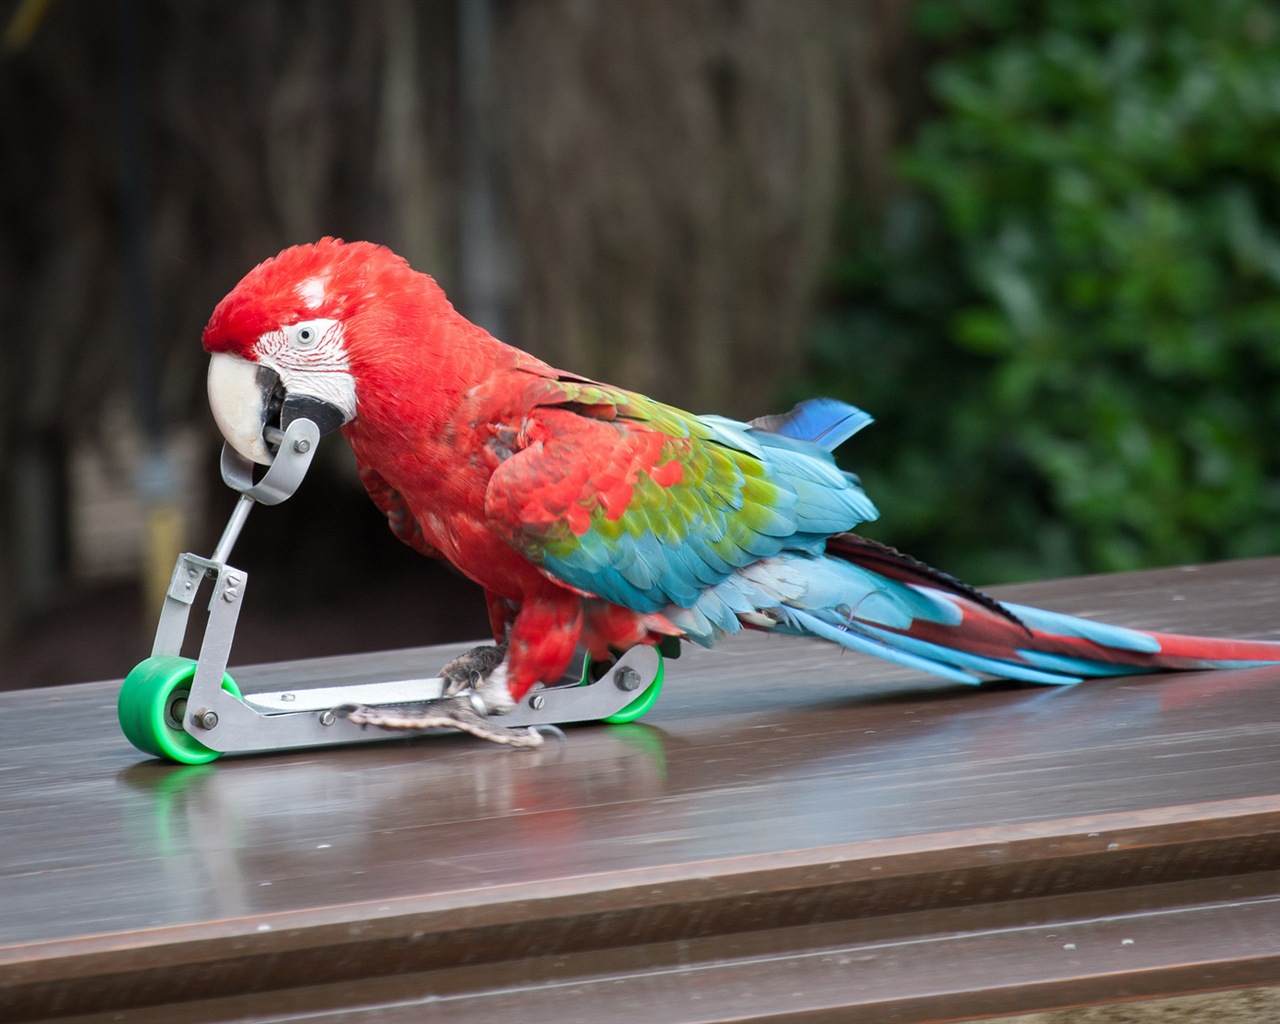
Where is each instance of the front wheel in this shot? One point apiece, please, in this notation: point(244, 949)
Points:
point(153, 703)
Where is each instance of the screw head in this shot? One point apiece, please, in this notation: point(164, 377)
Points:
point(302, 446)
point(627, 678)
point(537, 702)
point(230, 594)
point(327, 718)
point(206, 718)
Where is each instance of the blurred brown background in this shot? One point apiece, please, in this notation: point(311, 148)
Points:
point(642, 191)
point(1038, 239)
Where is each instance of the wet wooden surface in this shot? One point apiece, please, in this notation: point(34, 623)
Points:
point(792, 833)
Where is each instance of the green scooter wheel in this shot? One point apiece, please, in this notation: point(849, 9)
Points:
point(641, 704)
point(152, 704)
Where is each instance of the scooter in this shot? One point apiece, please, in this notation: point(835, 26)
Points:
point(192, 711)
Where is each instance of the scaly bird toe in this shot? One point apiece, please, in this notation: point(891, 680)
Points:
point(457, 712)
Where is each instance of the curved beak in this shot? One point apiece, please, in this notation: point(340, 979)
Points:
point(250, 402)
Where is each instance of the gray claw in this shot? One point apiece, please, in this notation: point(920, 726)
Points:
point(470, 669)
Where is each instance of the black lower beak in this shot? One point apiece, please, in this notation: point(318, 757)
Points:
point(299, 407)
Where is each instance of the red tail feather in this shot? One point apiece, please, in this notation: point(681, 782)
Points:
point(990, 629)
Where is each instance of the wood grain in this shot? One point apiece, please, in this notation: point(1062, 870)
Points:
point(793, 834)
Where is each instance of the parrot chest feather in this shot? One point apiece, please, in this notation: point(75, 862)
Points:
point(439, 486)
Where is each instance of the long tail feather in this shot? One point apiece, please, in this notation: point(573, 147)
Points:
point(1019, 637)
point(870, 598)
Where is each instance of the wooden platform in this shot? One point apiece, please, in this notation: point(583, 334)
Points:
point(793, 834)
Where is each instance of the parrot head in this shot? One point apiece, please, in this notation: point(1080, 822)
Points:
point(287, 341)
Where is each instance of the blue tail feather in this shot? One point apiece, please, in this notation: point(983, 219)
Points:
point(1087, 629)
point(814, 626)
point(822, 421)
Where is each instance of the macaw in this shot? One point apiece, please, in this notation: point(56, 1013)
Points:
point(593, 515)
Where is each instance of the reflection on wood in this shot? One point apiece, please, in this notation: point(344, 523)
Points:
point(793, 833)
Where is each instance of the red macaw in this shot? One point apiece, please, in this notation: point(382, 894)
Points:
point(593, 515)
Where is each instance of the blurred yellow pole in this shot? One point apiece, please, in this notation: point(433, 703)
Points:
point(22, 25)
point(162, 544)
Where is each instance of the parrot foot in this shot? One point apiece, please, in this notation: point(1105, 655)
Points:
point(457, 712)
point(472, 667)
point(466, 710)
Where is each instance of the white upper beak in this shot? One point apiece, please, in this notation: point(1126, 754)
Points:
point(238, 396)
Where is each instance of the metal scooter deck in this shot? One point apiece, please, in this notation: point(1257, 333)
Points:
point(575, 699)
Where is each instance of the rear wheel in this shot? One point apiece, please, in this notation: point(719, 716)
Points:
point(592, 671)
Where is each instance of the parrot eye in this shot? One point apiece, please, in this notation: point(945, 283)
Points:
point(309, 334)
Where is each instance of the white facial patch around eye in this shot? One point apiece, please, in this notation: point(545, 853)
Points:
point(318, 343)
point(322, 336)
point(310, 358)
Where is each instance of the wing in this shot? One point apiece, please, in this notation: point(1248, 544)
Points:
point(645, 505)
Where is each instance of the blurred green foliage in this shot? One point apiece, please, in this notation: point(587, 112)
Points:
point(1068, 324)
